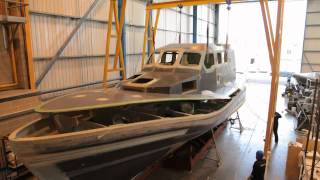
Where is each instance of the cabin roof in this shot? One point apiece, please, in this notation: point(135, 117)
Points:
point(191, 46)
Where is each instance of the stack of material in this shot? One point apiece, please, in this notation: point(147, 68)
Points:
point(307, 164)
point(292, 166)
point(311, 143)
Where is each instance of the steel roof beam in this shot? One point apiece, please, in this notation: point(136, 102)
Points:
point(173, 4)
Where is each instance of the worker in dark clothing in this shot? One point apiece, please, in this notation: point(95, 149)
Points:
point(275, 126)
point(259, 167)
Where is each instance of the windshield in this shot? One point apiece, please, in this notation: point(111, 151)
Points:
point(190, 59)
point(155, 56)
point(168, 58)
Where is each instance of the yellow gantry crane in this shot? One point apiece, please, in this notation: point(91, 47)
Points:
point(273, 42)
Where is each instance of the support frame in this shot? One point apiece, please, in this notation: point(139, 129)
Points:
point(119, 53)
point(274, 41)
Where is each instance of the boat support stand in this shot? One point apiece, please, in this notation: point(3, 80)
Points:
point(233, 122)
point(186, 157)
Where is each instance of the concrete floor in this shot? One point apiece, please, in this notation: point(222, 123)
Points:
point(237, 150)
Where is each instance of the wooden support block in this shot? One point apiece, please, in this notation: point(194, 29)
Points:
point(292, 169)
point(303, 141)
point(11, 124)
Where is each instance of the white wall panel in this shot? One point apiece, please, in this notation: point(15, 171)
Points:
point(312, 32)
point(313, 6)
point(310, 68)
point(171, 20)
point(69, 7)
point(100, 12)
point(49, 33)
point(311, 47)
point(69, 72)
point(133, 65)
point(134, 40)
point(311, 57)
point(313, 18)
point(159, 39)
point(137, 13)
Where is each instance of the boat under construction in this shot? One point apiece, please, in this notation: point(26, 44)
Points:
point(183, 91)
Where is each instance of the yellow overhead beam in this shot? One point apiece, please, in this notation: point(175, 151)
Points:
point(173, 4)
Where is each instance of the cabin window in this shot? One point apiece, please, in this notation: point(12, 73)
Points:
point(219, 56)
point(190, 59)
point(209, 61)
point(225, 57)
point(168, 58)
point(143, 80)
point(134, 76)
point(155, 56)
point(190, 85)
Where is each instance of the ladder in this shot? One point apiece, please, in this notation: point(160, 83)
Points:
point(12, 15)
point(118, 56)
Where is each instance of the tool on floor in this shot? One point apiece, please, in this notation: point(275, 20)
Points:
point(233, 122)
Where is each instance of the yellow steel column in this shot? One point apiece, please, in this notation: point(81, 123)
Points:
point(145, 37)
point(122, 65)
point(275, 63)
point(107, 58)
point(270, 22)
point(28, 45)
point(267, 32)
point(153, 35)
point(156, 23)
point(12, 55)
point(116, 20)
point(119, 28)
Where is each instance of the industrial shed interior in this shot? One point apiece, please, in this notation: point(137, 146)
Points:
point(159, 89)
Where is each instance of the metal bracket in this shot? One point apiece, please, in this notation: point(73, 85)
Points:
point(233, 121)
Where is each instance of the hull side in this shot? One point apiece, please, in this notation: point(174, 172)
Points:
point(119, 164)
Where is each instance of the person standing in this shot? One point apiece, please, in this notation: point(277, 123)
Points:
point(277, 116)
point(259, 167)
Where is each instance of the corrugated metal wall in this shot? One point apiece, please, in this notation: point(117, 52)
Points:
point(82, 61)
point(311, 46)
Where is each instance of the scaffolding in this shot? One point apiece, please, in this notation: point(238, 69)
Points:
point(14, 14)
point(119, 55)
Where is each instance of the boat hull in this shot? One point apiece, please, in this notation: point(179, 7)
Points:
point(117, 154)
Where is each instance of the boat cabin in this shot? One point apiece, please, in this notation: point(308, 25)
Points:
point(184, 68)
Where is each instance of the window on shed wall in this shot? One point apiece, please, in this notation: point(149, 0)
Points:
point(209, 61)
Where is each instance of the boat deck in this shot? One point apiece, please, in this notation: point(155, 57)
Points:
point(101, 98)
